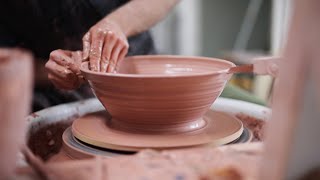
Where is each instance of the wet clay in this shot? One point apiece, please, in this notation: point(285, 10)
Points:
point(46, 141)
point(95, 129)
point(257, 126)
point(160, 93)
point(64, 69)
point(16, 79)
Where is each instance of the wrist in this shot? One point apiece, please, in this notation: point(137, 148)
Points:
point(122, 22)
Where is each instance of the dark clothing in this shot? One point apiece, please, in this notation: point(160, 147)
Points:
point(45, 25)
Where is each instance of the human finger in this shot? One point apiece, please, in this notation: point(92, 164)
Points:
point(114, 57)
point(109, 44)
point(59, 71)
point(97, 40)
point(60, 83)
point(122, 55)
point(86, 45)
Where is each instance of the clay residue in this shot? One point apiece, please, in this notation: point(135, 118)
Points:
point(253, 124)
point(47, 141)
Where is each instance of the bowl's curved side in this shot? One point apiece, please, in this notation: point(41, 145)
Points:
point(152, 103)
point(156, 102)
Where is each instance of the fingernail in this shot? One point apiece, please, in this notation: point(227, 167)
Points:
point(85, 56)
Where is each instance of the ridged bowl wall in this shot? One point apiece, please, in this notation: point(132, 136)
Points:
point(161, 94)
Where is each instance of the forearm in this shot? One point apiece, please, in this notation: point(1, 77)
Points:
point(139, 15)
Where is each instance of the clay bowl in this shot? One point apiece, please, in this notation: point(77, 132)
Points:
point(160, 94)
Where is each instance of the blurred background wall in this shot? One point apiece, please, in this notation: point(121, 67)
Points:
point(228, 29)
point(211, 27)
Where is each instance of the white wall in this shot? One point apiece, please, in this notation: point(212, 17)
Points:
point(209, 27)
point(180, 32)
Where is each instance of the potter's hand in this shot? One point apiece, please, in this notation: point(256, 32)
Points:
point(105, 45)
point(64, 69)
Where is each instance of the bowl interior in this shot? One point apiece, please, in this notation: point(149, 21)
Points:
point(154, 65)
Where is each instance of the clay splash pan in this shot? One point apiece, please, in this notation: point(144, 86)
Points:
point(158, 93)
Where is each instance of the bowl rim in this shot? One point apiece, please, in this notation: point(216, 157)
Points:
point(87, 71)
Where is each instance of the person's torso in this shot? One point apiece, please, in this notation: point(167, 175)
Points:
point(46, 25)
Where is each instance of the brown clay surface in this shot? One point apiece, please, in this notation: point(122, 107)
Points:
point(160, 93)
point(96, 129)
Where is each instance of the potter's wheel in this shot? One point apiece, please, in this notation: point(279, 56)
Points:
point(95, 129)
point(221, 128)
point(71, 145)
point(66, 113)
